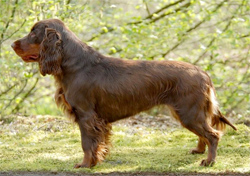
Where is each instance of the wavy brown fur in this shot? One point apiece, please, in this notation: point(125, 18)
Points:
point(96, 90)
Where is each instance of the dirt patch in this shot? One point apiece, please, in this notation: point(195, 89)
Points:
point(160, 122)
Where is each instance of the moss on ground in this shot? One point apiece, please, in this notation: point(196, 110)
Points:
point(44, 143)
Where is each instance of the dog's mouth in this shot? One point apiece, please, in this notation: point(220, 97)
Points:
point(31, 58)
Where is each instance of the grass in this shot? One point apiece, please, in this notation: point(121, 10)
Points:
point(44, 143)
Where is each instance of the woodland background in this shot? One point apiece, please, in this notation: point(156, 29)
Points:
point(213, 34)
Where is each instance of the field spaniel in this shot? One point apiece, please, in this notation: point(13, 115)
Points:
point(96, 90)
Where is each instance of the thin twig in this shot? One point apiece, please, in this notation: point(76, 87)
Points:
point(110, 29)
point(146, 5)
point(25, 96)
point(14, 31)
point(191, 29)
point(172, 12)
point(9, 21)
point(214, 38)
point(7, 90)
point(18, 93)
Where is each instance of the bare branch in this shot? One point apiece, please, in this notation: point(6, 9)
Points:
point(7, 90)
point(25, 97)
point(164, 8)
point(18, 93)
point(14, 31)
point(170, 13)
point(146, 5)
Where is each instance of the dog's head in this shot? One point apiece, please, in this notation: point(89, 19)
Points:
point(43, 44)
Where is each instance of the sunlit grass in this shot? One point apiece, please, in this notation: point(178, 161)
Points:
point(53, 144)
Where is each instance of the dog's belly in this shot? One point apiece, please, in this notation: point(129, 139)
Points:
point(114, 115)
point(123, 108)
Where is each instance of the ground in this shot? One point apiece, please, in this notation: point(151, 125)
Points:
point(30, 146)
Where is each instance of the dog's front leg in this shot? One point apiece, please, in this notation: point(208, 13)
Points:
point(95, 139)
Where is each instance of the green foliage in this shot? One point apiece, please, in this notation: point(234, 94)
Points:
point(211, 34)
point(45, 143)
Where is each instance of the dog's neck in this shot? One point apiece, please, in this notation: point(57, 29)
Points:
point(77, 54)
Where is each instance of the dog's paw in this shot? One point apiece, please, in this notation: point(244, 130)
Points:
point(81, 165)
point(207, 163)
point(196, 151)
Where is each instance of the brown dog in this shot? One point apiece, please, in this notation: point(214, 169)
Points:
point(97, 90)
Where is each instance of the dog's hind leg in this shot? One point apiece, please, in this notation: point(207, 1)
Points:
point(201, 147)
point(194, 119)
point(207, 135)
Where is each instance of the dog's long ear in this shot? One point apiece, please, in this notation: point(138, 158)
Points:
point(51, 53)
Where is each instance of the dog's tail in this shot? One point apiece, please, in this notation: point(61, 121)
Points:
point(218, 120)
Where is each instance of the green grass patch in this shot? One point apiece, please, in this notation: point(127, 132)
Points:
point(43, 143)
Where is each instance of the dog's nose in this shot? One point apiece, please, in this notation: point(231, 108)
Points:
point(13, 45)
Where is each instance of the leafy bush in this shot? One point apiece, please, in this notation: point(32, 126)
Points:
point(211, 34)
